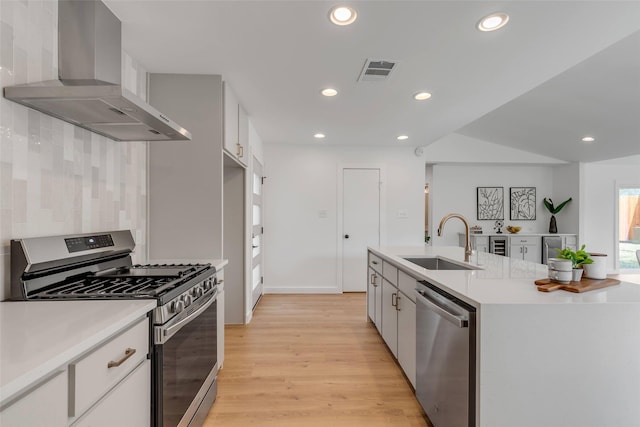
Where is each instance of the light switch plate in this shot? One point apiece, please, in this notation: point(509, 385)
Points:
point(403, 214)
point(322, 213)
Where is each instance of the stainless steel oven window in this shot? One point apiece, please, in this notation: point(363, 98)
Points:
point(183, 363)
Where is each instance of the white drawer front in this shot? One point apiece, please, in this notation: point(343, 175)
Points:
point(375, 262)
point(516, 240)
point(91, 377)
point(390, 273)
point(407, 285)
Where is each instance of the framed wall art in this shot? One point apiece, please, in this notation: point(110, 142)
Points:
point(523, 203)
point(490, 202)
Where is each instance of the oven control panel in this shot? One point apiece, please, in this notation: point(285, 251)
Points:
point(83, 243)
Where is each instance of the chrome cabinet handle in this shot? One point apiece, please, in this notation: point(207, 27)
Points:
point(127, 354)
point(373, 279)
point(240, 151)
point(398, 302)
point(374, 262)
point(394, 304)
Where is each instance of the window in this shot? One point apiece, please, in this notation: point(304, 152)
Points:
point(628, 227)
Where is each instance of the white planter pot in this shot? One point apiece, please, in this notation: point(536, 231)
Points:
point(598, 269)
point(577, 274)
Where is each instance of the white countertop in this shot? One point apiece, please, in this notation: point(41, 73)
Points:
point(39, 337)
point(501, 280)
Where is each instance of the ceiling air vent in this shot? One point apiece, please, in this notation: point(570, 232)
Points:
point(376, 70)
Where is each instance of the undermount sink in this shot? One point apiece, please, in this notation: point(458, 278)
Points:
point(437, 263)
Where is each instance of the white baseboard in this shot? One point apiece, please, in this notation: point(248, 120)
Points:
point(292, 290)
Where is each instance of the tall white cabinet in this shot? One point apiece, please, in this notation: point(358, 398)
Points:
point(198, 188)
point(236, 127)
point(186, 178)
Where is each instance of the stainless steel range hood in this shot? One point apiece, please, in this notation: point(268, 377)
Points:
point(89, 93)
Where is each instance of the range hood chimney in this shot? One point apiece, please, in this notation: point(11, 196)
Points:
point(89, 91)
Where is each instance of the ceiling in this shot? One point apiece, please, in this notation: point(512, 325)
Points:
point(558, 71)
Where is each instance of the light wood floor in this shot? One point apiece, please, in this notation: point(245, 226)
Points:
point(311, 360)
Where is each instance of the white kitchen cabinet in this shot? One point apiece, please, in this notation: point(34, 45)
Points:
point(106, 384)
point(111, 384)
point(525, 248)
point(398, 313)
point(407, 336)
point(371, 295)
point(236, 127)
point(45, 406)
point(390, 316)
point(91, 376)
point(121, 406)
point(187, 174)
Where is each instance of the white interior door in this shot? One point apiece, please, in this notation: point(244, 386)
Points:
point(360, 224)
point(257, 241)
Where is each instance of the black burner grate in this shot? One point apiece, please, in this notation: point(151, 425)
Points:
point(137, 281)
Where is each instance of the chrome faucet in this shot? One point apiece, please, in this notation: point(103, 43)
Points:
point(467, 244)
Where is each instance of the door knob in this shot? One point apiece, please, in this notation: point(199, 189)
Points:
point(346, 236)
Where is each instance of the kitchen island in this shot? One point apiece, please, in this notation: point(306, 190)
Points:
point(542, 359)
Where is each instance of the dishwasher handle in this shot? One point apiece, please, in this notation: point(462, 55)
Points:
point(456, 319)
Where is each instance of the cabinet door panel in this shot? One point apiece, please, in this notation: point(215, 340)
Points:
point(230, 120)
point(243, 135)
point(372, 283)
point(46, 406)
point(390, 316)
point(128, 404)
point(378, 303)
point(407, 338)
point(532, 253)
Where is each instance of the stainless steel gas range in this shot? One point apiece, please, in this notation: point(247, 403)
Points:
point(184, 336)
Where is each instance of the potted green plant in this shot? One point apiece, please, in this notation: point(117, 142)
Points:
point(553, 227)
point(578, 259)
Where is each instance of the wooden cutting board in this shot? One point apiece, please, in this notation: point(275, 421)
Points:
point(584, 285)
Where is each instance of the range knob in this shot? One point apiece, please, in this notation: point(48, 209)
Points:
point(187, 300)
point(177, 307)
point(197, 292)
point(207, 285)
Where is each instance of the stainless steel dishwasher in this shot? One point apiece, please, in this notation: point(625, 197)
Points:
point(445, 357)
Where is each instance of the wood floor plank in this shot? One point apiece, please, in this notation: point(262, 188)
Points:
point(311, 360)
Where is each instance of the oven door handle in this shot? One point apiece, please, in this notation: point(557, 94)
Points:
point(164, 333)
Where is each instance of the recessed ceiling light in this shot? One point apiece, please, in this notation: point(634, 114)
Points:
point(319, 136)
point(343, 15)
point(329, 92)
point(588, 139)
point(403, 137)
point(421, 96)
point(493, 22)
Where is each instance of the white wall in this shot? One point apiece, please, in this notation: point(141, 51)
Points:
point(453, 190)
point(300, 247)
point(599, 182)
point(56, 178)
point(566, 183)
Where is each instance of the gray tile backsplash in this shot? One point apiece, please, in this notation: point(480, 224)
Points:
point(56, 178)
